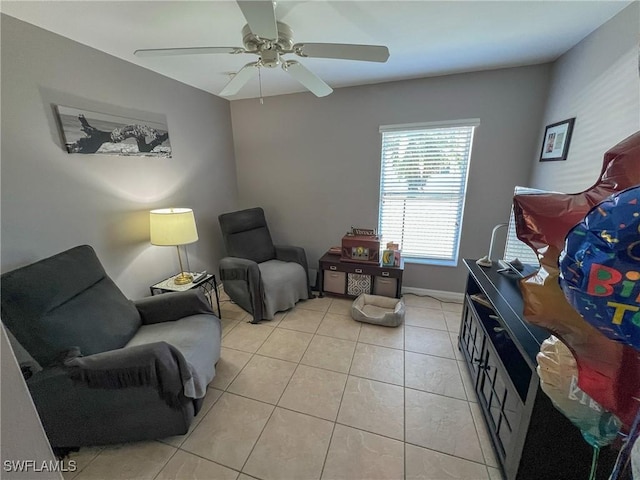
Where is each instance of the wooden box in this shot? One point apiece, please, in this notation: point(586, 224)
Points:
point(361, 248)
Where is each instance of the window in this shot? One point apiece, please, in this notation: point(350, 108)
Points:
point(514, 248)
point(423, 183)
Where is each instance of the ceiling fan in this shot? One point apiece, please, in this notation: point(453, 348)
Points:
point(269, 39)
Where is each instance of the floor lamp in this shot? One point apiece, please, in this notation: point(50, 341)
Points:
point(174, 227)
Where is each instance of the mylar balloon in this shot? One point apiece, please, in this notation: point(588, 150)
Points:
point(558, 374)
point(600, 267)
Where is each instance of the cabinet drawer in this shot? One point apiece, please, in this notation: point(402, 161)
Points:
point(334, 282)
point(362, 269)
point(358, 268)
point(390, 273)
point(387, 287)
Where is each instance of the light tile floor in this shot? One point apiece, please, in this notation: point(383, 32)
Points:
point(314, 394)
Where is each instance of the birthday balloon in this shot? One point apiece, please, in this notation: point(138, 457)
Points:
point(558, 374)
point(600, 267)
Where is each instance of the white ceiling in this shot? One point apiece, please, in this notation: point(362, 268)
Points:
point(425, 38)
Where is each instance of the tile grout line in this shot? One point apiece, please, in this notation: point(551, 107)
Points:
point(208, 460)
point(167, 462)
point(333, 429)
point(404, 406)
point(326, 456)
point(230, 393)
point(244, 464)
point(210, 408)
point(89, 463)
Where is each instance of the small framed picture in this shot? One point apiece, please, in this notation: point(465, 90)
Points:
point(557, 137)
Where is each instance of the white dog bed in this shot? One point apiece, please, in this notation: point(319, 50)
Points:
point(378, 310)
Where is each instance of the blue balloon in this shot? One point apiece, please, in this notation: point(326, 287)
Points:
point(600, 267)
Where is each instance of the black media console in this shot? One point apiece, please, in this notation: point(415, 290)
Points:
point(532, 440)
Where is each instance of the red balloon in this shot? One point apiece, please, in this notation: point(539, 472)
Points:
point(609, 372)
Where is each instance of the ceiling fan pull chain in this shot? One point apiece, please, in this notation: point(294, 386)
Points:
point(260, 83)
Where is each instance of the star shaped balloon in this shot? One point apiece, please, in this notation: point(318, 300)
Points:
point(608, 370)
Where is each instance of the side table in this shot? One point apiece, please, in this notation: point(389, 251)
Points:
point(208, 285)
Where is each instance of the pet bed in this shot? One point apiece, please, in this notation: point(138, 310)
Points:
point(378, 310)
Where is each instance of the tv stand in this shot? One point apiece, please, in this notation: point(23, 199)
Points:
point(531, 438)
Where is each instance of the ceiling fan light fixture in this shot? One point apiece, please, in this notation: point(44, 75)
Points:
point(283, 42)
point(269, 39)
point(269, 59)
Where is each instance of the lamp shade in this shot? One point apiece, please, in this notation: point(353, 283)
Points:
point(172, 226)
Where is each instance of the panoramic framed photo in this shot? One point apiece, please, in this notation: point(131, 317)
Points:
point(84, 131)
point(557, 138)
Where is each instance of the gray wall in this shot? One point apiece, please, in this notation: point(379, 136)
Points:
point(314, 164)
point(52, 200)
point(597, 82)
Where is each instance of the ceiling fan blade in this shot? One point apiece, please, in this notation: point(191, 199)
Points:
point(162, 52)
point(307, 78)
point(346, 51)
point(239, 80)
point(261, 17)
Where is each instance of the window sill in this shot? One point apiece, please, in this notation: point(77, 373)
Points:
point(431, 261)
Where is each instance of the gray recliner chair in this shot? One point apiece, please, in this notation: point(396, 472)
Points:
point(102, 369)
point(261, 277)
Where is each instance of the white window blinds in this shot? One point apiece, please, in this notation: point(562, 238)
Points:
point(422, 188)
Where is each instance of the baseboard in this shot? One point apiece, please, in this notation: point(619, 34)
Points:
point(441, 295)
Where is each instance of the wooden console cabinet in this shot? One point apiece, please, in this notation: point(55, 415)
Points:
point(531, 438)
point(350, 279)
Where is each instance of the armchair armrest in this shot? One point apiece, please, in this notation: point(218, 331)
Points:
point(243, 283)
point(288, 253)
point(173, 306)
point(228, 264)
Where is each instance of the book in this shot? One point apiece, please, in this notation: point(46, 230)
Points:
point(482, 300)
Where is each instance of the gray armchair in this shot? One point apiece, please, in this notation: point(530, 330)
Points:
point(100, 368)
point(261, 277)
